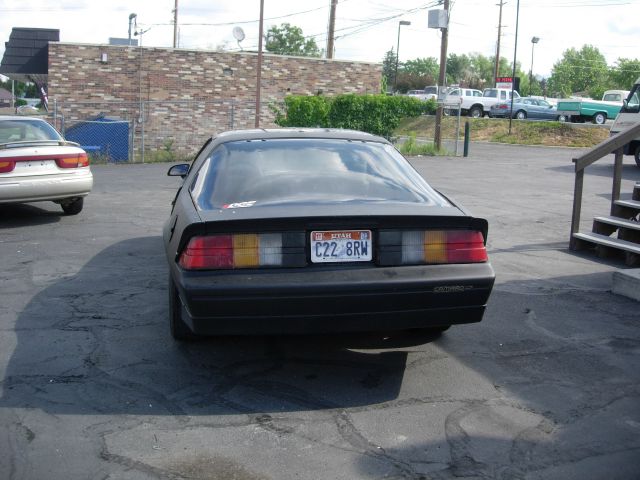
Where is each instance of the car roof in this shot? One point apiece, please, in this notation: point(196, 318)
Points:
point(20, 117)
point(281, 133)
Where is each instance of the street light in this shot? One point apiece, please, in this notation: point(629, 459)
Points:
point(132, 21)
point(534, 40)
point(395, 77)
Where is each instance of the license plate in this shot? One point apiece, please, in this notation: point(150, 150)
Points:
point(341, 246)
point(35, 165)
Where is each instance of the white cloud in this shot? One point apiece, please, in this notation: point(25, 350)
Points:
point(561, 24)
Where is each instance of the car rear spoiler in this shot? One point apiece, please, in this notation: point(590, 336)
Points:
point(23, 143)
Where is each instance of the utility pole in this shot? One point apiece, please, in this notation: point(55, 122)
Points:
point(259, 72)
point(496, 71)
point(437, 139)
point(332, 28)
point(515, 55)
point(175, 25)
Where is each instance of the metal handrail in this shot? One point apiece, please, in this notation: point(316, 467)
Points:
point(614, 145)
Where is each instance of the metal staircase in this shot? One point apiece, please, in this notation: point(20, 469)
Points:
point(616, 235)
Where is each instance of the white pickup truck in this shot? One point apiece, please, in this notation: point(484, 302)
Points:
point(490, 96)
point(464, 97)
point(629, 115)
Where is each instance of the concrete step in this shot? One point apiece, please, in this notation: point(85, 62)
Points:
point(627, 283)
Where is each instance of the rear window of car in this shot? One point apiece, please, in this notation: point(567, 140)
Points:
point(24, 130)
point(306, 171)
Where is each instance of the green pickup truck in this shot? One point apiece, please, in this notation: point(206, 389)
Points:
point(587, 110)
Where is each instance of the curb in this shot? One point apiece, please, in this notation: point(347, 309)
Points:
point(627, 283)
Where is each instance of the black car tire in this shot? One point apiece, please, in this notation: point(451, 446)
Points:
point(476, 112)
point(521, 115)
point(73, 207)
point(636, 155)
point(600, 118)
point(563, 118)
point(179, 330)
point(432, 330)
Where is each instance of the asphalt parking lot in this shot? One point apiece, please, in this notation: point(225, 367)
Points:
point(93, 387)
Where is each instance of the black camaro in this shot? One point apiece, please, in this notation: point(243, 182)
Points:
point(300, 231)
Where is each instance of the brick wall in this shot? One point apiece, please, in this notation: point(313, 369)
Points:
point(188, 95)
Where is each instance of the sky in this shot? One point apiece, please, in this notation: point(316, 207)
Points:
point(365, 29)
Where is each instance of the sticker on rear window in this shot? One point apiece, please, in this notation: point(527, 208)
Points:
point(240, 204)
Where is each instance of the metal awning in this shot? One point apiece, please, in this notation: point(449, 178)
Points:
point(26, 55)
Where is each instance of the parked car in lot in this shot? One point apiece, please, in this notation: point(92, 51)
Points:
point(588, 110)
point(525, 107)
point(463, 98)
point(317, 230)
point(481, 106)
point(428, 93)
point(27, 110)
point(37, 164)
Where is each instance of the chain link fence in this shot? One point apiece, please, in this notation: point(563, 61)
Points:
point(151, 131)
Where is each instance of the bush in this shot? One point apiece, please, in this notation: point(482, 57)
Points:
point(376, 114)
point(304, 112)
point(20, 102)
point(410, 147)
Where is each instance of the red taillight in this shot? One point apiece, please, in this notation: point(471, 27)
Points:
point(7, 166)
point(208, 252)
point(242, 250)
point(503, 106)
point(63, 160)
point(72, 160)
point(465, 247)
point(443, 246)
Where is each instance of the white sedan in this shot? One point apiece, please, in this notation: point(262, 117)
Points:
point(38, 164)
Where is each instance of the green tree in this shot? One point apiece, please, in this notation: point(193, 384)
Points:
point(422, 67)
point(458, 69)
point(583, 70)
point(389, 67)
point(625, 73)
point(411, 81)
point(21, 89)
point(288, 39)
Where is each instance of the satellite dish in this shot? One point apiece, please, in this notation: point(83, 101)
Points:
point(238, 34)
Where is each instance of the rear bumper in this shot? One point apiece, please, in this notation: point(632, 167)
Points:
point(333, 300)
point(45, 187)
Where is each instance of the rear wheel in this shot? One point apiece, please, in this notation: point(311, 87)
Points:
point(72, 206)
point(564, 118)
point(476, 112)
point(521, 115)
point(179, 330)
point(432, 330)
point(599, 118)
